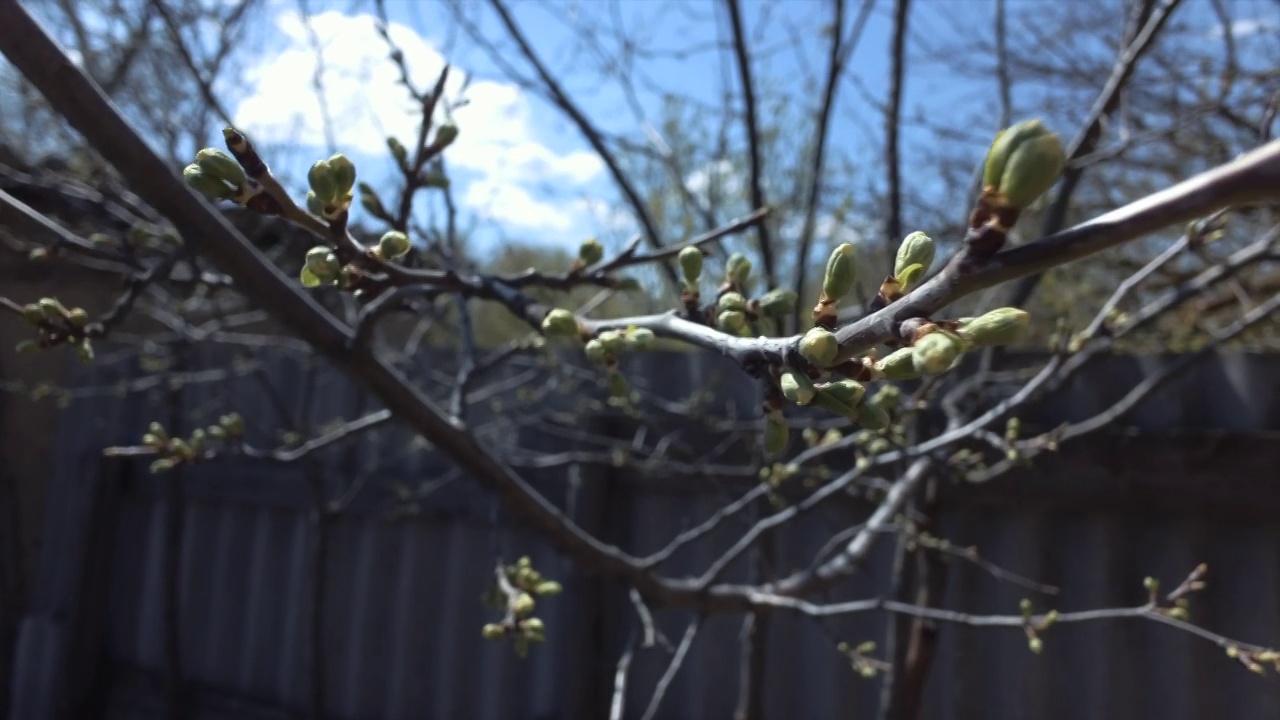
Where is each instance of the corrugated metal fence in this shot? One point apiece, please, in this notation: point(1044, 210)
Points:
point(230, 582)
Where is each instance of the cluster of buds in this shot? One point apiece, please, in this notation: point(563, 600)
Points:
point(860, 658)
point(514, 592)
point(1023, 163)
point(218, 176)
point(332, 182)
point(605, 348)
point(843, 396)
point(937, 347)
point(202, 443)
point(56, 325)
point(1033, 626)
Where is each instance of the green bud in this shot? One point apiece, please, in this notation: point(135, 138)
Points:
point(627, 284)
point(738, 269)
point(158, 430)
point(872, 416)
point(916, 249)
point(152, 441)
point(732, 321)
point(163, 465)
point(344, 174)
point(446, 134)
point(639, 338)
point(33, 314)
point(841, 273)
point(841, 397)
point(613, 341)
point(797, 387)
point(205, 184)
point(523, 604)
point(368, 200)
point(819, 347)
point(397, 150)
point(1024, 161)
point(51, 308)
point(233, 423)
point(393, 244)
point(78, 317)
point(596, 351)
point(560, 323)
point(493, 631)
point(936, 352)
point(866, 648)
point(998, 327)
point(898, 365)
point(315, 205)
point(691, 264)
point(910, 274)
point(323, 263)
point(534, 629)
point(731, 301)
point(776, 433)
point(779, 302)
point(1035, 644)
point(217, 164)
point(590, 252)
point(548, 588)
point(323, 183)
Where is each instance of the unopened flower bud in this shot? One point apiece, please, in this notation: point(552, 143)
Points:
point(217, 164)
point(1024, 161)
point(393, 244)
point(613, 341)
point(737, 269)
point(898, 365)
point(596, 351)
point(323, 183)
point(206, 184)
point(33, 314)
point(797, 387)
point(935, 353)
point(819, 347)
point(691, 264)
point(78, 317)
point(1035, 645)
point(916, 249)
point(51, 308)
point(731, 321)
point(776, 433)
point(323, 264)
point(315, 205)
point(841, 273)
point(343, 172)
point(590, 252)
point(911, 274)
point(523, 604)
point(841, 397)
point(560, 323)
point(998, 327)
point(548, 588)
point(731, 301)
point(534, 629)
point(493, 631)
point(446, 134)
point(777, 302)
point(638, 338)
point(233, 423)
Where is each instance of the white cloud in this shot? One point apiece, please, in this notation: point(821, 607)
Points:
point(1245, 27)
point(498, 141)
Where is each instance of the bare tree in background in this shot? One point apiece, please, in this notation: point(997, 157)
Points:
point(1179, 176)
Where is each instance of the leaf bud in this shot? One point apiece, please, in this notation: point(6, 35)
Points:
point(343, 172)
point(916, 249)
point(737, 269)
point(731, 301)
point(841, 397)
point(523, 604)
point(548, 588)
point(841, 273)
point(797, 387)
point(596, 351)
point(315, 205)
point(691, 264)
point(1035, 644)
point(217, 164)
point(393, 244)
point(777, 302)
point(397, 150)
point(935, 353)
point(731, 321)
point(78, 317)
point(51, 308)
point(590, 252)
point(998, 327)
point(493, 631)
point(819, 347)
point(322, 182)
point(446, 134)
point(368, 200)
point(910, 274)
point(1024, 161)
point(639, 338)
point(776, 433)
point(613, 341)
point(560, 323)
point(534, 629)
